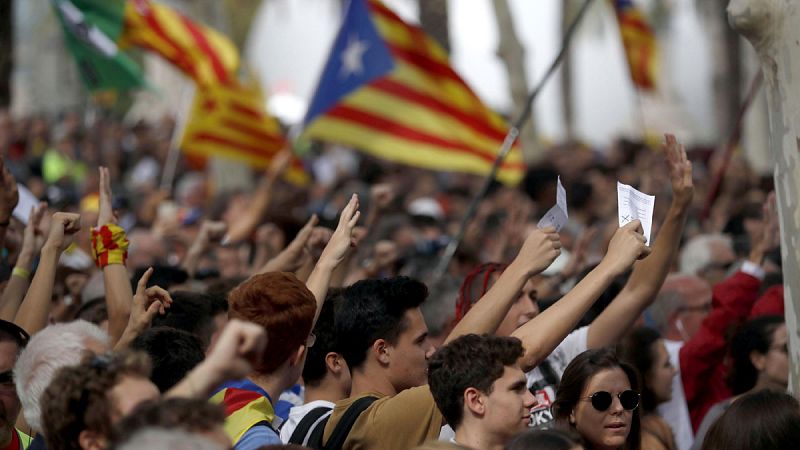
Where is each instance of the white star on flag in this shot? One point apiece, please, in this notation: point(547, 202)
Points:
point(352, 57)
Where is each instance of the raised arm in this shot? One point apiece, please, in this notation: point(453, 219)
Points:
point(244, 226)
point(541, 335)
point(110, 247)
point(240, 345)
point(292, 257)
point(147, 302)
point(649, 274)
point(334, 253)
point(20, 277)
point(210, 231)
point(35, 309)
point(538, 251)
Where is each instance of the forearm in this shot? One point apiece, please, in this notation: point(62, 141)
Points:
point(16, 288)
point(192, 259)
point(246, 225)
point(485, 315)
point(119, 296)
point(541, 335)
point(319, 281)
point(35, 309)
point(642, 286)
point(198, 383)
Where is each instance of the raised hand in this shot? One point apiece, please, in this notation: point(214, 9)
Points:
point(626, 246)
point(33, 237)
point(105, 214)
point(63, 227)
point(279, 163)
point(680, 171)
point(770, 232)
point(540, 249)
point(342, 238)
point(240, 347)
point(292, 257)
point(147, 302)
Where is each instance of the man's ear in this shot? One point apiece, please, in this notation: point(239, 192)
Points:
point(380, 348)
point(334, 363)
point(474, 401)
point(92, 440)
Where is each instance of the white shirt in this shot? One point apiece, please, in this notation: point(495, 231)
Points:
point(296, 414)
point(675, 411)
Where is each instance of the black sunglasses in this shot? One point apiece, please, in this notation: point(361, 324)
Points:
point(601, 400)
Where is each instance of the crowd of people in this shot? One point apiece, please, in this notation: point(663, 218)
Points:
point(307, 316)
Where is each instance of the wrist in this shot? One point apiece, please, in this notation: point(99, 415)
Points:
point(519, 272)
point(50, 249)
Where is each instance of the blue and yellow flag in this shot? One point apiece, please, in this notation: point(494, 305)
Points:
point(641, 49)
point(388, 89)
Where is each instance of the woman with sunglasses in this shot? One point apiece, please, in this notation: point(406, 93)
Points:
point(644, 349)
point(759, 361)
point(599, 399)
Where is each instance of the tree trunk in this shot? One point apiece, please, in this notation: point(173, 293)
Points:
point(433, 16)
point(727, 68)
point(773, 27)
point(6, 50)
point(512, 53)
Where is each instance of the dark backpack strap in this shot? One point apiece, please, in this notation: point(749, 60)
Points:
point(306, 423)
point(339, 434)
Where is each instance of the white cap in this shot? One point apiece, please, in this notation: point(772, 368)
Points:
point(426, 206)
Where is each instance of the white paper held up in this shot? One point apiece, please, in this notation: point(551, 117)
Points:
point(633, 205)
point(557, 216)
point(27, 201)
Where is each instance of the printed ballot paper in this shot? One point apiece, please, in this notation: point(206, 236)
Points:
point(556, 216)
point(633, 205)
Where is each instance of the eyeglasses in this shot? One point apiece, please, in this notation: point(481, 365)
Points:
point(601, 400)
point(312, 338)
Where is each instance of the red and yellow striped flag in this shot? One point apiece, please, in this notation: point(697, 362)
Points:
point(388, 89)
point(230, 121)
point(200, 52)
point(641, 49)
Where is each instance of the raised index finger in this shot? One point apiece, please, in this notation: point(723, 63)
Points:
point(141, 286)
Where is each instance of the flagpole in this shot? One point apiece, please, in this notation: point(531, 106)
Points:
point(508, 142)
point(171, 164)
point(733, 139)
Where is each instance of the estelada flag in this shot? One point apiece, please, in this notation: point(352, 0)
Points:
point(641, 49)
point(388, 89)
point(229, 121)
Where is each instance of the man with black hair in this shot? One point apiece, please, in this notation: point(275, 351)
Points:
point(325, 375)
point(190, 312)
point(173, 353)
point(481, 390)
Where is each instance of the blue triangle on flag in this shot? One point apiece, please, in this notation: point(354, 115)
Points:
point(358, 57)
